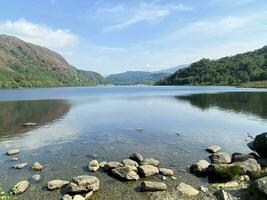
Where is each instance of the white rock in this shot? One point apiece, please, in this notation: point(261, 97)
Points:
point(93, 166)
point(187, 190)
point(20, 187)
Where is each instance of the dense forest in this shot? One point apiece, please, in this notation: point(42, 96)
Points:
point(27, 65)
point(247, 69)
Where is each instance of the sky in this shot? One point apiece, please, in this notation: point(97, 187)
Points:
point(111, 36)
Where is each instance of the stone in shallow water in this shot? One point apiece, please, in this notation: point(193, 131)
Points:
point(150, 161)
point(125, 174)
point(102, 164)
point(56, 184)
point(36, 177)
point(129, 162)
point(93, 166)
point(166, 172)
point(20, 187)
point(14, 159)
point(187, 190)
point(83, 183)
point(12, 152)
point(213, 149)
point(137, 157)
point(200, 167)
point(20, 166)
point(147, 170)
point(153, 186)
point(37, 166)
point(220, 158)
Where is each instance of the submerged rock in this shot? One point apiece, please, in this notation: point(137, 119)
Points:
point(37, 166)
point(83, 183)
point(14, 159)
point(12, 152)
point(125, 174)
point(187, 190)
point(150, 161)
point(260, 145)
point(166, 172)
point(20, 166)
point(93, 166)
point(153, 186)
point(258, 189)
point(20, 187)
point(200, 167)
point(147, 170)
point(36, 177)
point(137, 157)
point(129, 162)
point(213, 149)
point(56, 184)
point(220, 158)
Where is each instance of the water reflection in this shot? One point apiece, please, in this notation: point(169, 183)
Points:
point(13, 114)
point(245, 102)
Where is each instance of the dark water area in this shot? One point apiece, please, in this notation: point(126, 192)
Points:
point(75, 123)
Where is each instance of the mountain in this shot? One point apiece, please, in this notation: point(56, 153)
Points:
point(246, 69)
point(24, 64)
point(172, 69)
point(136, 77)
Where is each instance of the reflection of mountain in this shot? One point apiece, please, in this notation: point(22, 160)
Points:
point(248, 102)
point(14, 114)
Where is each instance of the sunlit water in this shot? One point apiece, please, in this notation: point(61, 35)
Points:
point(74, 123)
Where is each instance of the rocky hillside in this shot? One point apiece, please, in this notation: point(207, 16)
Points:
point(24, 64)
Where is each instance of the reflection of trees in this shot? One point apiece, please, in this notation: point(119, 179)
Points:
point(244, 102)
point(14, 114)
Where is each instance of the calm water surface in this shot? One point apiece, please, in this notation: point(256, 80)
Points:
point(74, 123)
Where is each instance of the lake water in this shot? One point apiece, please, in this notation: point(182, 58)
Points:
point(76, 123)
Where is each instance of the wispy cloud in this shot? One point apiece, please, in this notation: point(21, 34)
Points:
point(144, 12)
point(41, 34)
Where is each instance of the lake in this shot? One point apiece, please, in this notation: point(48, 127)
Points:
point(75, 125)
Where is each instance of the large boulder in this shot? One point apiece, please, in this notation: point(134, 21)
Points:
point(220, 158)
point(153, 186)
point(20, 187)
point(258, 189)
point(147, 170)
point(200, 168)
point(260, 145)
point(125, 174)
point(83, 183)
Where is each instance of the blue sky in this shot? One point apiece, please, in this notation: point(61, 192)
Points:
point(116, 35)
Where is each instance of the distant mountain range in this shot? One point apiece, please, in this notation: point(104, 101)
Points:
point(141, 77)
point(24, 64)
point(246, 69)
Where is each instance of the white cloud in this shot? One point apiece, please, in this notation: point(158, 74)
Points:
point(57, 39)
point(146, 12)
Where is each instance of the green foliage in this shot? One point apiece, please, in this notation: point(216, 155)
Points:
point(241, 68)
point(5, 196)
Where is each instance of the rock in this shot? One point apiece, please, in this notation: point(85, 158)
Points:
point(20, 166)
point(67, 197)
point(88, 195)
point(187, 190)
point(220, 158)
point(262, 162)
point(140, 129)
point(200, 167)
point(102, 164)
point(230, 184)
point(173, 178)
point(129, 162)
point(12, 152)
point(78, 197)
point(152, 186)
point(83, 183)
point(250, 165)
point(222, 195)
point(239, 157)
point(112, 165)
point(29, 124)
point(213, 149)
point(20, 187)
point(251, 145)
point(203, 189)
point(14, 159)
point(56, 184)
point(166, 172)
point(93, 166)
point(125, 174)
point(37, 166)
point(258, 189)
point(243, 178)
point(260, 145)
point(137, 157)
point(164, 178)
point(36, 177)
point(147, 170)
point(150, 161)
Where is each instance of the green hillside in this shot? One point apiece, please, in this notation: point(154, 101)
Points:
point(246, 69)
point(27, 65)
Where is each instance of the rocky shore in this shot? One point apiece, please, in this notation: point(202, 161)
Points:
point(235, 176)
